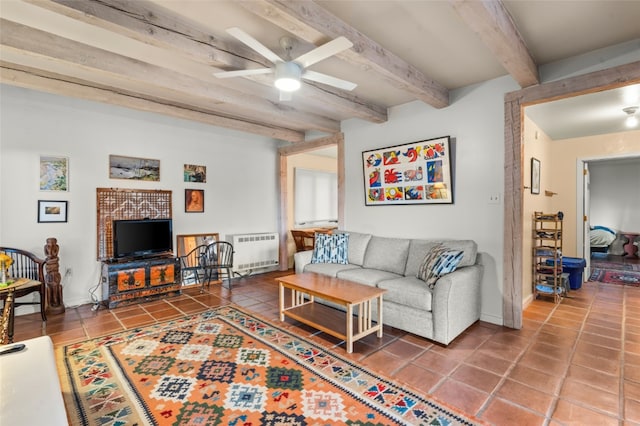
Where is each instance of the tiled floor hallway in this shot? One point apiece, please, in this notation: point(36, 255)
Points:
point(577, 362)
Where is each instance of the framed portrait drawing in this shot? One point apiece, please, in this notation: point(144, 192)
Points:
point(54, 173)
point(535, 176)
point(414, 173)
point(52, 211)
point(194, 200)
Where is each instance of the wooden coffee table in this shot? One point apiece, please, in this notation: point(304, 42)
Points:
point(356, 298)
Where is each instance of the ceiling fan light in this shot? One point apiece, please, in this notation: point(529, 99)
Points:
point(288, 76)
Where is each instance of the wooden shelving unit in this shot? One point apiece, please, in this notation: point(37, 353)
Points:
point(547, 256)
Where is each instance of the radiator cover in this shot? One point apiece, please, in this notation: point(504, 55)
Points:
point(255, 251)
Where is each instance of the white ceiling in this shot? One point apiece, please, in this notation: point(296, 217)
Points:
point(160, 55)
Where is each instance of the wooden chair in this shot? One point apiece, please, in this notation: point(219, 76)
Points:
point(27, 265)
point(190, 265)
point(304, 239)
point(217, 260)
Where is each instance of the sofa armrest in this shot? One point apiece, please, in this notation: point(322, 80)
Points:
point(302, 259)
point(456, 302)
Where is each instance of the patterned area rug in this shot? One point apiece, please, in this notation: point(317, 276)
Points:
point(227, 367)
point(614, 265)
point(614, 276)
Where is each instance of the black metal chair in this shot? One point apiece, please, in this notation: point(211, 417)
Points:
point(217, 260)
point(191, 266)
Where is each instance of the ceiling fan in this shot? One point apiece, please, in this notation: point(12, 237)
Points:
point(288, 72)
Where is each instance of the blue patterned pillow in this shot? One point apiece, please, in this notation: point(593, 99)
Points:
point(330, 248)
point(439, 261)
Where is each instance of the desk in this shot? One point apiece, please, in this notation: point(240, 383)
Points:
point(9, 308)
point(630, 249)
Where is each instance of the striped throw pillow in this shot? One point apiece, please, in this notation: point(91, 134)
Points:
point(330, 248)
point(438, 261)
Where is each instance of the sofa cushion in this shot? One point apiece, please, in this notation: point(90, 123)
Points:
point(387, 254)
point(438, 261)
point(366, 276)
point(469, 247)
point(417, 251)
point(330, 269)
point(407, 291)
point(330, 248)
point(357, 246)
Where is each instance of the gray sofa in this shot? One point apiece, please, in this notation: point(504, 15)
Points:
point(440, 314)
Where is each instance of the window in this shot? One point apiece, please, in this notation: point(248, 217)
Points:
point(316, 197)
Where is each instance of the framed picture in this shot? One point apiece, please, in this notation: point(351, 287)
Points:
point(52, 211)
point(193, 173)
point(54, 173)
point(414, 173)
point(134, 168)
point(535, 176)
point(194, 200)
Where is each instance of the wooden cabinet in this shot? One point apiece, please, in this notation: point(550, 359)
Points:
point(138, 281)
point(547, 256)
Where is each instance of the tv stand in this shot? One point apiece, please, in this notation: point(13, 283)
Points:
point(140, 280)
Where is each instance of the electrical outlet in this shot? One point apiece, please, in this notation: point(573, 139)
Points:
point(494, 198)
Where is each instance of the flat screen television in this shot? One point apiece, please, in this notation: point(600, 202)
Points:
point(142, 238)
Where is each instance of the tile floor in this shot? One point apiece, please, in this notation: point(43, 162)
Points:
point(577, 362)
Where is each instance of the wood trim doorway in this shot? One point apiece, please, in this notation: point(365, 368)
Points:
point(514, 104)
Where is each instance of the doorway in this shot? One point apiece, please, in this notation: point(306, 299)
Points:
point(514, 180)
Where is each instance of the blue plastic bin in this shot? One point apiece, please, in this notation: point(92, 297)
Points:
point(574, 266)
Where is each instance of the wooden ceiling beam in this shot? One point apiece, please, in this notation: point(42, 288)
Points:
point(491, 21)
point(60, 85)
point(306, 146)
point(149, 23)
point(93, 64)
point(314, 24)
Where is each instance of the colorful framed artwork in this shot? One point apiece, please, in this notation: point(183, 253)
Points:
point(52, 211)
point(134, 168)
point(535, 176)
point(414, 173)
point(193, 173)
point(54, 173)
point(194, 200)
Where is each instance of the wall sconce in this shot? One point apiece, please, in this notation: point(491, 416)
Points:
point(632, 120)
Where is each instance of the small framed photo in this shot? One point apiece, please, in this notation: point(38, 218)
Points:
point(535, 176)
point(54, 173)
point(194, 173)
point(194, 200)
point(52, 211)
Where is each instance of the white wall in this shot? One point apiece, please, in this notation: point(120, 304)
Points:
point(615, 197)
point(475, 122)
point(241, 174)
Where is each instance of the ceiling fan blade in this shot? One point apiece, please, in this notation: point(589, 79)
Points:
point(327, 79)
point(254, 44)
point(323, 52)
point(243, 73)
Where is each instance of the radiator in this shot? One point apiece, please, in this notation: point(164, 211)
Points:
point(255, 251)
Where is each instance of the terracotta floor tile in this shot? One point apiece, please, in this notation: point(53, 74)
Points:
point(498, 350)
point(597, 351)
point(525, 396)
point(632, 410)
point(597, 339)
point(420, 378)
point(595, 378)
point(567, 412)
point(539, 380)
point(561, 353)
point(384, 362)
point(437, 363)
point(609, 366)
point(403, 349)
point(582, 394)
point(556, 340)
point(543, 363)
point(460, 395)
point(482, 380)
point(632, 390)
point(565, 323)
point(500, 412)
point(632, 373)
point(490, 363)
point(137, 320)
